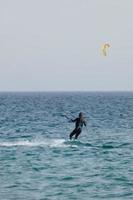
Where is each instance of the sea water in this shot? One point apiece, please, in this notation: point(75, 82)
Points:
point(39, 162)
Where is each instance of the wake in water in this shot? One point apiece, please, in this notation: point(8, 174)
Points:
point(61, 143)
point(46, 142)
point(42, 143)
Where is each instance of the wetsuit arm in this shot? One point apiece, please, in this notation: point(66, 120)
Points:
point(85, 123)
point(73, 120)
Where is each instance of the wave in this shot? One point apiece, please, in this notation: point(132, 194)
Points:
point(78, 143)
point(60, 143)
point(34, 143)
point(112, 145)
point(46, 142)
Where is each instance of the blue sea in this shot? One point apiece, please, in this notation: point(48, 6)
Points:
point(39, 162)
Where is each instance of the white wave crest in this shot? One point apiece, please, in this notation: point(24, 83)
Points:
point(46, 142)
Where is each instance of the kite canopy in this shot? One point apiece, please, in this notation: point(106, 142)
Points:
point(104, 49)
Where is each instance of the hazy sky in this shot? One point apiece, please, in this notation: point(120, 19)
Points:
point(55, 45)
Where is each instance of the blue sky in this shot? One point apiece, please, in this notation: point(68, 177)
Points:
point(55, 45)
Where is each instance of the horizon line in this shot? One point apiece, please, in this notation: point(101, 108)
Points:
point(26, 91)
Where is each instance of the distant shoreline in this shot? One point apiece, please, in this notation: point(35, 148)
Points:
point(73, 91)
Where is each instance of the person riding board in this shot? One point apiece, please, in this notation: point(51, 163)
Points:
point(79, 122)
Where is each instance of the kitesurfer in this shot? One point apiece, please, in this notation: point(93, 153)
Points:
point(79, 122)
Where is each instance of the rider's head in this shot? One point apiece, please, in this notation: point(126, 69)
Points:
point(80, 115)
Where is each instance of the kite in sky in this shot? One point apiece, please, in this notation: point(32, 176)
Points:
point(104, 49)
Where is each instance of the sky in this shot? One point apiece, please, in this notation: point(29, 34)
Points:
point(54, 45)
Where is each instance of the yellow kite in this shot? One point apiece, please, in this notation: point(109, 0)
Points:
point(104, 49)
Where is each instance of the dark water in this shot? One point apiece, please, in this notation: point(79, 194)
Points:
point(38, 162)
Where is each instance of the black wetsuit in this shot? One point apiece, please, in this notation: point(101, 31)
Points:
point(78, 127)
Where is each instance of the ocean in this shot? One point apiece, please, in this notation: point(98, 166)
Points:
point(39, 162)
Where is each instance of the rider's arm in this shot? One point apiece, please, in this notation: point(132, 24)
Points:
point(73, 120)
point(85, 123)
